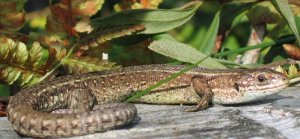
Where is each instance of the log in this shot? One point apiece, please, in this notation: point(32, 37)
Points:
point(275, 117)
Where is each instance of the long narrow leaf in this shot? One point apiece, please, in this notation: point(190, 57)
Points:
point(284, 9)
point(209, 42)
point(155, 21)
point(183, 52)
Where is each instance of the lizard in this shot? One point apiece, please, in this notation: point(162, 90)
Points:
point(28, 111)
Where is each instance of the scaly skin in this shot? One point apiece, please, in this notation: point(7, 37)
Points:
point(28, 111)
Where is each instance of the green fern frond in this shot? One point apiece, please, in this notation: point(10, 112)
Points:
point(18, 63)
point(35, 55)
point(10, 75)
point(103, 35)
point(87, 64)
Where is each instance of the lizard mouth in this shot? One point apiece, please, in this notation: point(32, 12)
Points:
point(264, 92)
point(277, 87)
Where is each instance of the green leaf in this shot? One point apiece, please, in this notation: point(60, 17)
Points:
point(18, 64)
point(277, 31)
point(22, 55)
point(163, 36)
point(35, 54)
point(284, 9)
point(297, 20)
point(4, 51)
point(155, 21)
point(209, 40)
point(26, 77)
point(186, 32)
point(13, 75)
point(183, 52)
point(87, 64)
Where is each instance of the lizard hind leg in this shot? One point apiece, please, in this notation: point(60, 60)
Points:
point(201, 87)
point(81, 100)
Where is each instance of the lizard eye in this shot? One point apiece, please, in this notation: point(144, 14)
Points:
point(261, 78)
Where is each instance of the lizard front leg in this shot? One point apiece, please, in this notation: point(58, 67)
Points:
point(201, 87)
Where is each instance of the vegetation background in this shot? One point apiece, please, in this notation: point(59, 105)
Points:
point(44, 39)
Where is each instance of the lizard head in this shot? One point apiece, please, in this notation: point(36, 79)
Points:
point(253, 85)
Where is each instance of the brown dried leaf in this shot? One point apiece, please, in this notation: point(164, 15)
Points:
point(54, 41)
point(137, 4)
point(3, 106)
point(86, 8)
point(12, 15)
point(292, 50)
point(12, 21)
point(67, 13)
point(83, 26)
